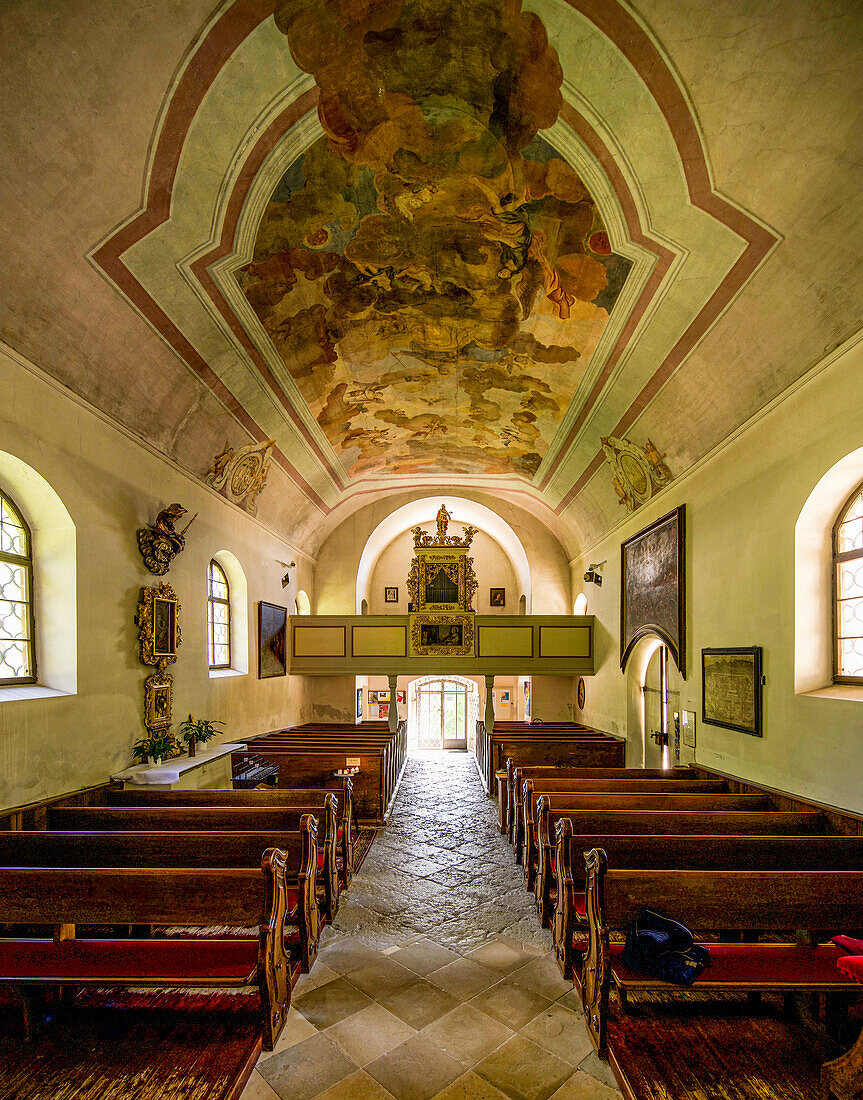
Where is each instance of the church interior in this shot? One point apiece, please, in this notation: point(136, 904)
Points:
point(431, 550)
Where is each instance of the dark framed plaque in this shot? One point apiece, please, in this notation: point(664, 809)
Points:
point(652, 587)
point(272, 631)
point(731, 688)
point(581, 694)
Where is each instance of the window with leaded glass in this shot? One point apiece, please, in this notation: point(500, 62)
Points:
point(218, 618)
point(848, 591)
point(17, 651)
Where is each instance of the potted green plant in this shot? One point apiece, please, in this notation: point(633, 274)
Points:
point(154, 747)
point(195, 731)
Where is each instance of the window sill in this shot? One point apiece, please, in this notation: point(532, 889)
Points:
point(852, 693)
point(30, 691)
point(221, 673)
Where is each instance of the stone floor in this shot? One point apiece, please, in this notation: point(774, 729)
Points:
point(435, 979)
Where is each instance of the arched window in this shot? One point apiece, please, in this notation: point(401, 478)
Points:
point(848, 591)
point(17, 649)
point(218, 617)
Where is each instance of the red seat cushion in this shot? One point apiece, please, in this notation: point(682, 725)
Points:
point(756, 964)
point(852, 966)
point(849, 945)
point(136, 960)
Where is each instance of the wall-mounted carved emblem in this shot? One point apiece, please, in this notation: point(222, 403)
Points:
point(638, 472)
point(241, 475)
point(159, 542)
point(158, 621)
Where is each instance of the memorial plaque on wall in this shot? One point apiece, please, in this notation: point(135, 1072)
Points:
point(652, 594)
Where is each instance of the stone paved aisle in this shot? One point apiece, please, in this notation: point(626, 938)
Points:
point(436, 979)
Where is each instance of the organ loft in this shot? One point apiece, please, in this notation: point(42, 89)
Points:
point(431, 551)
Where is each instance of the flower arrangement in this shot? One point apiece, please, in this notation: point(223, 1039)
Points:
point(195, 731)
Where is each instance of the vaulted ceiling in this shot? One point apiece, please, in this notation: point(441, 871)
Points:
point(432, 243)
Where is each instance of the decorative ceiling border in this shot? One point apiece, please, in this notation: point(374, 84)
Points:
point(642, 53)
point(216, 46)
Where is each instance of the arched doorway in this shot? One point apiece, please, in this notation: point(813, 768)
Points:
point(653, 701)
point(442, 711)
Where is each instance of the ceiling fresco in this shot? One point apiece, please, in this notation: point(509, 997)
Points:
point(433, 274)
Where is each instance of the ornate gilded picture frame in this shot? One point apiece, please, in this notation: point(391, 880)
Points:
point(442, 635)
point(731, 682)
point(158, 622)
point(158, 701)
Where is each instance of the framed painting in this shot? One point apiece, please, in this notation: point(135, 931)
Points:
point(158, 701)
point(272, 637)
point(359, 704)
point(652, 587)
point(400, 697)
point(391, 595)
point(731, 682)
point(158, 625)
point(383, 710)
point(497, 597)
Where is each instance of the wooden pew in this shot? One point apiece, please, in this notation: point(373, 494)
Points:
point(594, 750)
point(484, 735)
point(542, 812)
point(369, 734)
point(186, 849)
point(766, 901)
point(509, 784)
point(554, 780)
point(65, 896)
point(205, 819)
point(311, 754)
point(312, 799)
point(708, 852)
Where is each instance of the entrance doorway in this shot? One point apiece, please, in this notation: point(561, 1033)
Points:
point(441, 709)
point(660, 705)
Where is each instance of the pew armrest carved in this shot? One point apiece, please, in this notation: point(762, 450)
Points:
point(596, 970)
point(274, 975)
point(309, 917)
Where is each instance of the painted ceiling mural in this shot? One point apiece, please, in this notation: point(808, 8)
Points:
point(434, 276)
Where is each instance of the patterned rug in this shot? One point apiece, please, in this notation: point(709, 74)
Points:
point(362, 846)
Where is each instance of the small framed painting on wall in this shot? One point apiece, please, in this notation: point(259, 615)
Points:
point(497, 597)
point(272, 628)
point(731, 688)
point(391, 595)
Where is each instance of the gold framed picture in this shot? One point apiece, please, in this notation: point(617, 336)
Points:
point(158, 701)
point(442, 635)
point(158, 625)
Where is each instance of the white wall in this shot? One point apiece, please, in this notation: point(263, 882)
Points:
point(111, 485)
point(339, 557)
point(741, 509)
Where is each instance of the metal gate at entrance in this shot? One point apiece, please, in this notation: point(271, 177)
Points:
point(442, 708)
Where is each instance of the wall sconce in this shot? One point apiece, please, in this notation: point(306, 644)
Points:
point(594, 573)
point(286, 580)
